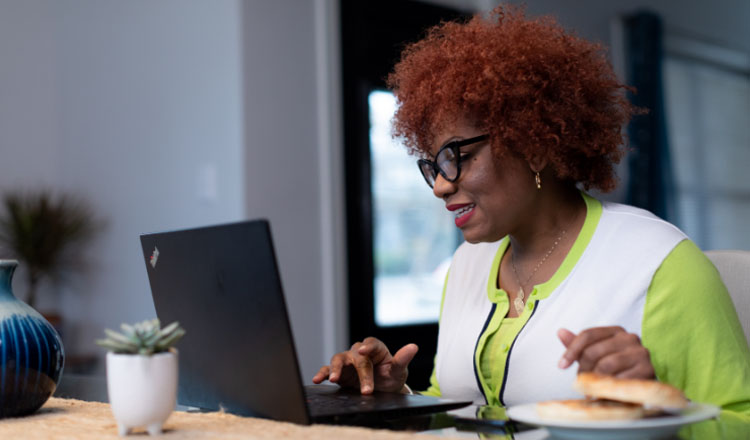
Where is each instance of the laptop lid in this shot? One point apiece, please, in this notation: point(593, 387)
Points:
point(223, 285)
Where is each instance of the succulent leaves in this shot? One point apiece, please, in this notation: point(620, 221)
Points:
point(144, 338)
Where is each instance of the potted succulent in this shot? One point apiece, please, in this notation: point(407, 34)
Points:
point(142, 374)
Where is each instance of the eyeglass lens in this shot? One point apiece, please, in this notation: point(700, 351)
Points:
point(447, 161)
point(446, 164)
point(428, 172)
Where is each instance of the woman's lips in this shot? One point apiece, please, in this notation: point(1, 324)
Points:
point(462, 212)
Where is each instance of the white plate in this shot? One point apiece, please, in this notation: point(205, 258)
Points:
point(652, 427)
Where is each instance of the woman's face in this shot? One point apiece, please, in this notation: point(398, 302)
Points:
point(489, 201)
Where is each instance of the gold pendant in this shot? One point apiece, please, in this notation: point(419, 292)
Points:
point(518, 302)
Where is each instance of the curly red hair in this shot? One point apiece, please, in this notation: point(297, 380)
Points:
point(535, 89)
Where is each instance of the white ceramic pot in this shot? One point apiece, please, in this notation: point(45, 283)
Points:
point(142, 389)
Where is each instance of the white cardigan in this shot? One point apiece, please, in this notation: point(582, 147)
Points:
point(602, 282)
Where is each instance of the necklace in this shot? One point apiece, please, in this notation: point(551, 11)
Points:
point(519, 302)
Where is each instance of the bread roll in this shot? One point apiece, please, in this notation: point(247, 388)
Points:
point(588, 409)
point(650, 393)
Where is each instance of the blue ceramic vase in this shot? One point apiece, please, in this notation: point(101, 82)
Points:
point(31, 352)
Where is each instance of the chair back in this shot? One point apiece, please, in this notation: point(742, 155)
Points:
point(734, 268)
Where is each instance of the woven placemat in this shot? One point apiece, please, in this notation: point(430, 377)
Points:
point(77, 419)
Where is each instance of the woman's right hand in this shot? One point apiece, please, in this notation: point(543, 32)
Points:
point(369, 366)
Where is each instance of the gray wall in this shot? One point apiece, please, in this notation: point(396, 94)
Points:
point(179, 113)
point(293, 165)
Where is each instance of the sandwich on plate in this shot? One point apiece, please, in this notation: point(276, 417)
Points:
point(611, 398)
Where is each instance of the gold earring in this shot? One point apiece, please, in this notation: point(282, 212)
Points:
point(538, 181)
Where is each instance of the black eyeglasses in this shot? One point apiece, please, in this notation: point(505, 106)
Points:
point(447, 161)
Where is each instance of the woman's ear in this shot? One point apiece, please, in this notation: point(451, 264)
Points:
point(538, 163)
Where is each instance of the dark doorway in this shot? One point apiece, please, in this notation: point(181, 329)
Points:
point(373, 35)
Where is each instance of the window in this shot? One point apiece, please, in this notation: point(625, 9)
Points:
point(414, 235)
point(707, 96)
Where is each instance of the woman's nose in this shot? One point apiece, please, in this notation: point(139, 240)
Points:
point(443, 187)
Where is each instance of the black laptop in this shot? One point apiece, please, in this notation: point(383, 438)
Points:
point(222, 284)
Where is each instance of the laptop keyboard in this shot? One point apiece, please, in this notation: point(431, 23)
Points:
point(325, 401)
point(339, 400)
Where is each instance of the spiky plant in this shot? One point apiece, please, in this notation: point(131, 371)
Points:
point(144, 338)
point(44, 232)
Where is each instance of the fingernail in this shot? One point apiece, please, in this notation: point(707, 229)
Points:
point(366, 389)
point(563, 363)
point(333, 377)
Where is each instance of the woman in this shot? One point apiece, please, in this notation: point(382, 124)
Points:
point(513, 118)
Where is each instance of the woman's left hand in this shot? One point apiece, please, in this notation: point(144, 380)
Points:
point(606, 350)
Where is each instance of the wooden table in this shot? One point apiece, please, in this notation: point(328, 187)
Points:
point(77, 419)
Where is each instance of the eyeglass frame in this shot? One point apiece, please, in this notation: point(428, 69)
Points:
point(455, 146)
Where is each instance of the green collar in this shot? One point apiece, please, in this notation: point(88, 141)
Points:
point(542, 291)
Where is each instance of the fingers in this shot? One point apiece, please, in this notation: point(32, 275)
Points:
point(566, 336)
point(404, 356)
point(337, 364)
point(378, 353)
point(342, 365)
point(640, 371)
point(369, 365)
point(365, 356)
point(606, 350)
point(582, 341)
point(321, 375)
point(631, 363)
point(374, 349)
point(609, 355)
point(364, 368)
